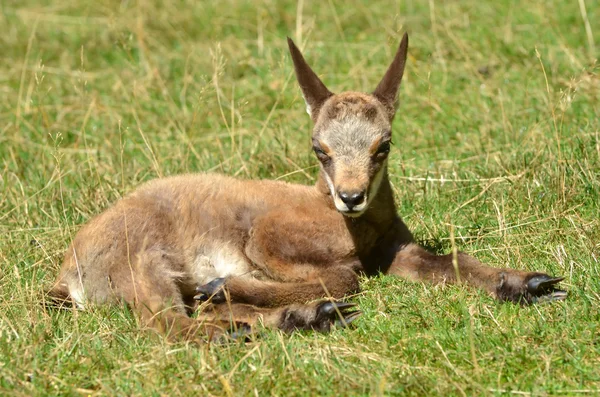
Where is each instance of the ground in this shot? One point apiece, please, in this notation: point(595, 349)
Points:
point(496, 149)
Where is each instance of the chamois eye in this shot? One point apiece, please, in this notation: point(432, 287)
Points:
point(321, 155)
point(383, 149)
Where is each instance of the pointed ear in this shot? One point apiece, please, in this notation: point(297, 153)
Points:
point(387, 90)
point(313, 90)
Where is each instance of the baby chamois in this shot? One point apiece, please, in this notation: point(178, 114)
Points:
point(263, 249)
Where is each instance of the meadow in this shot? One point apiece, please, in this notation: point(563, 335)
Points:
point(496, 146)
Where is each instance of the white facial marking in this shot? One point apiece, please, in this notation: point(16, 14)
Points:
point(330, 184)
point(374, 188)
point(339, 204)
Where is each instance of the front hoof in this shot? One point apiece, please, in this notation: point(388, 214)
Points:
point(542, 282)
point(529, 288)
point(214, 291)
point(541, 288)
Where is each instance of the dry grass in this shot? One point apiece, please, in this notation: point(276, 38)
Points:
point(498, 137)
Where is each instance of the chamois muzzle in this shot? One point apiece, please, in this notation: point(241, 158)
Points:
point(352, 199)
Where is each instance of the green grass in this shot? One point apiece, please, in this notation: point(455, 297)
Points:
point(497, 137)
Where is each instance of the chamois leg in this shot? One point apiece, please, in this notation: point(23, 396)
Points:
point(153, 290)
point(415, 263)
point(147, 285)
point(334, 282)
point(176, 326)
point(233, 321)
point(318, 316)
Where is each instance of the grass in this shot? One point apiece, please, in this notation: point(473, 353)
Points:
point(497, 138)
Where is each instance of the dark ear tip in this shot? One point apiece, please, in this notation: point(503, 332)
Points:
point(290, 42)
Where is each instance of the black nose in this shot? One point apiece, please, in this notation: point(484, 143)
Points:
point(352, 199)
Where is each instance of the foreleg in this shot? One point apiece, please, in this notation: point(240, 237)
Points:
point(333, 282)
point(415, 263)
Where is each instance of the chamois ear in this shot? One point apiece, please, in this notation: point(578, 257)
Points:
point(313, 90)
point(387, 89)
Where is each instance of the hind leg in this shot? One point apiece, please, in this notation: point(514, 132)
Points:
point(127, 254)
point(146, 282)
point(153, 290)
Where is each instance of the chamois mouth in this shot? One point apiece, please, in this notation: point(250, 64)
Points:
point(352, 213)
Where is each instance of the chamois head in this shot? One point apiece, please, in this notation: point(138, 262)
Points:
point(352, 131)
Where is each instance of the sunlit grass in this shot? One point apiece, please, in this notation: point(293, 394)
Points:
point(497, 136)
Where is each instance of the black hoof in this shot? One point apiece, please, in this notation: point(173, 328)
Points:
point(213, 291)
point(556, 295)
point(542, 282)
point(335, 313)
point(542, 288)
